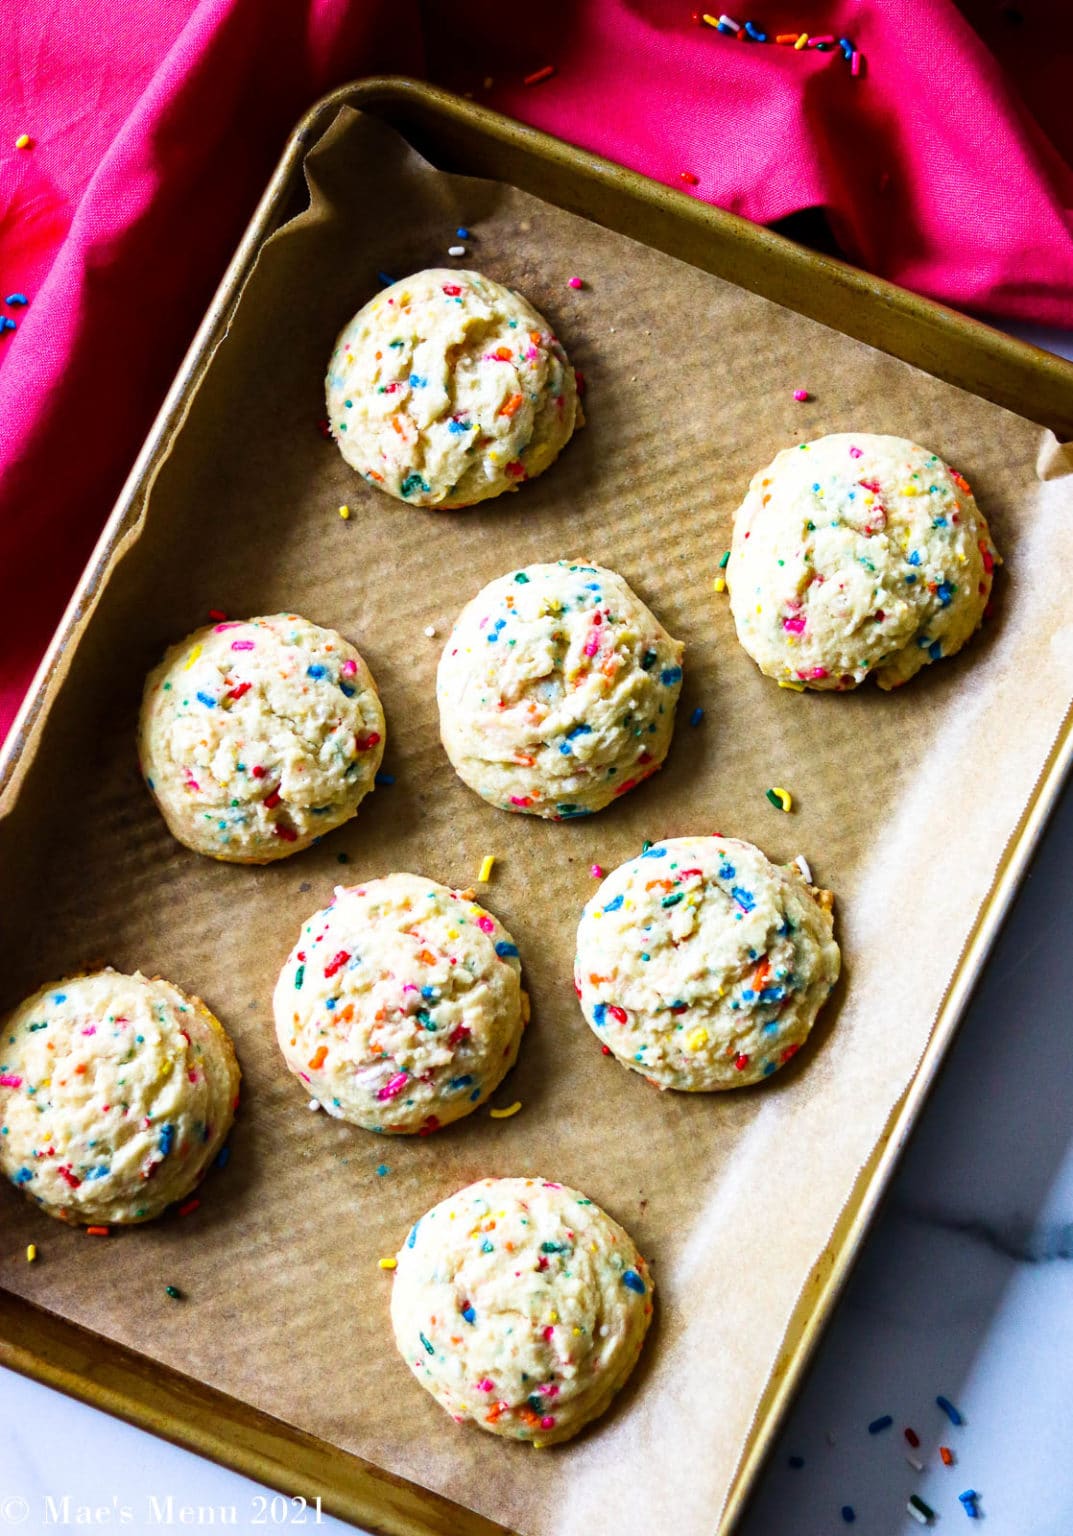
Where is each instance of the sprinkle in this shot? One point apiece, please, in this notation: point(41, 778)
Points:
point(23, 141)
point(98, 1232)
point(912, 1437)
point(506, 951)
point(948, 1408)
point(430, 631)
point(10, 1080)
point(31, 1253)
point(917, 1466)
point(189, 1207)
point(689, 178)
point(969, 1496)
point(802, 864)
point(385, 280)
point(344, 512)
point(848, 1514)
point(382, 1169)
point(697, 716)
point(539, 74)
point(16, 298)
point(174, 1292)
point(314, 1105)
point(786, 37)
point(877, 1426)
point(755, 33)
point(719, 584)
point(384, 779)
point(463, 234)
point(575, 282)
point(456, 250)
point(785, 682)
point(728, 21)
point(724, 560)
point(633, 1282)
point(393, 1086)
point(801, 394)
point(946, 1455)
point(387, 1263)
point(505, 1114)
point(920, 1511)
point(856, 62)
point(428, 1347)
point(710, 21)
point(801, 41)
point(485, 873)
point(780, 798)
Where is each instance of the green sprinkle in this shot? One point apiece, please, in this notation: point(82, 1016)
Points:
point(174, 1292)
point(723, 562)
point(672, 900)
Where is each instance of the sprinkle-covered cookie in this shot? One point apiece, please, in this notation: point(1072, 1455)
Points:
point(401, 1007)
point(448, 388)
point(857, 554)
point(116, 1093)
point(521, 1307)
point(258, 737)
point(557, 690)
point(702, 965)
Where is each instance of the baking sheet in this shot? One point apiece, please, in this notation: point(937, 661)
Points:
point(903, 806)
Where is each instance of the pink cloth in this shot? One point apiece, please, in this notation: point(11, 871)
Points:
point(155, 126)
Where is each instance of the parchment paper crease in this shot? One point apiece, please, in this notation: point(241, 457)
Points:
point(903, 806)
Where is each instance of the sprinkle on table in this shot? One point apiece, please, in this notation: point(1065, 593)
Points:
point(16, 299)
point(24, 141)
point(344, 512)
point(917, 1466)
point(697, 716)
point(967, 1500)
point(719, 584)
point(724, 560)
point(31, 1253)
point(430, 631)
point(782, 800)
point(189, 1207)
point(948, 1408)
point(505, 1114)
point(384, 779)
point(946, 1456)
point(487, 865)
point(174, 1292)
point(689, 178)
point(575, 282)
point(461, 231)
point(98, 1231)
point(596, 871)
point(802, 394)
point(456, 250)
point(849, 1514)
point(387, 1263)
point(884, 1421)
point(911, 1436)
point(539, 74)
point(803, 865)
point(922, 1513)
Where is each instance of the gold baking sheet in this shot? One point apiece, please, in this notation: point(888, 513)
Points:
point(905, 807)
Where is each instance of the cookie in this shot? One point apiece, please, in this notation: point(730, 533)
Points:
point(401, 1006)
point(857, 554)
point(448, 389)
point(521, 1306)
point(116, 1093)
point(257, 737)
point(557, 690)
point(702, 965)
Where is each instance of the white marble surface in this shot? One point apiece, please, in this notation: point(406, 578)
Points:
point(965, 1288)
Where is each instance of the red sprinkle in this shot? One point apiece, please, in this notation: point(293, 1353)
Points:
point(288, 834)
point(741, 1062)
point(617, 1013)
point(365, 742)
point(98, 1231)
point(606, 1049)
point(272, 799)
point(323, 428)
point(239, 689)
point(539, 74)
point(217, 613)
point(689, 178)
point(189, 1207)
point(68, 1176)
point(258, 772)
point(337, 963)
point(913, 1438)
point(452, 290)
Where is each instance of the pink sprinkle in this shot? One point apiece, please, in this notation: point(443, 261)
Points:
point(486, 925)
point(242, 645)
point(519, 799)
point(596, 871)
point(9, 1080)
point(547, 1422)
point(487, 1385)
point(795, 624)
point(825, 37)
point(856, 453)
point(218, 629)
point(549, 1185)
point(592, 645)
point(531, 355)
point(800, 394)
point(818, 672)
point(548, 1332)
point(575, 282)
point(856, 62)
point(90, 1029)
point(349, 668)
point(394, 1086)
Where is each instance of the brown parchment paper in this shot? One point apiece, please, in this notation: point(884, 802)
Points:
point(903, 805)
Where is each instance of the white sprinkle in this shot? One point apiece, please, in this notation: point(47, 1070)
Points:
point(802, 864)
point(314, 1104)
point(430, 631)
point(918, 1514)
point(917, 1466)
point(456, 250)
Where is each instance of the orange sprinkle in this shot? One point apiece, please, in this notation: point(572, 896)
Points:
point(98, 1231)
point(513, 405)
point(502, 354)
point(947, 1455)
point(317, 1058)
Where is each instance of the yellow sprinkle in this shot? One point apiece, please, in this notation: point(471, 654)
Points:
point(784, 682)
point(387, 1263)
point(801, 41)
point(23, 141)
point(538, 1445)
point(696, 1038)
point(781, 797)
point(577, 1331)
point(719, 584)
point(710, 21)
point(505, 1114)
point(910, 490)
point(31, 1253)
point(554, 1316)
point(486, 869)
point(344, 512)
point(193, 656)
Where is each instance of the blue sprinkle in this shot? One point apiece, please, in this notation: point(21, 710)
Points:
point(614, 904)
point(59, 997)
point(935, 650)
point(633, 1282)
point(648, 660)
point(384, 778)
point(463, 234)
point(755, 33)
point(458, 427)
point(412, 1239)
point(745, 899)
point(910, 580)
point(347, 690)
point(99, 1172)
point(769, 1067)
point(223, 1157)
point(417, 382)
point(167, 1139)
point(475, 1095)
point(944, 592)
point(505, 950)
point(938, 522)
point(654, 853)
point(206, 699)
point(24, 1176)
point(948, 1408)
point(599, 1013)
point(877, 1426)
point(412, 483)
point(16, 298)
point(697, 716)
point(772, 994)
point(426, 1343)
point(429, 993)
point(461, 1082)
point(848, 1514)
point(383, 278)
point(6, 324)
point(670, 675)
point(846, 47)
point(470, 1316)
point(382, 1170)
point(727, 872)
point(914, 557)
point(579, 730)
point(316, 670)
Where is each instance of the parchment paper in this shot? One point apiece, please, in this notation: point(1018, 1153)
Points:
point(903, 806)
